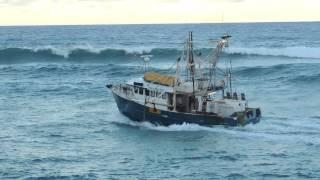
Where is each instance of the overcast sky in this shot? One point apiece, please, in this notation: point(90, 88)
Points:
point(44, 12)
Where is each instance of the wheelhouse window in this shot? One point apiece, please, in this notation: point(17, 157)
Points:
point(164, 96)
point(125, 89)
point(152, 93)
point(147, 92)
point(141, 91)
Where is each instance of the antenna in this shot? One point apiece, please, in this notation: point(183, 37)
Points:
point(146, 60)
point(230, 76)
point(222, 17)
point(222, 22)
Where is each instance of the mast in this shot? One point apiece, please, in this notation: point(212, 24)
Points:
point(192, 67)
point(191, 60)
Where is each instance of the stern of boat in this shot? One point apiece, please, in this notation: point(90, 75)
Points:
point(250, 115)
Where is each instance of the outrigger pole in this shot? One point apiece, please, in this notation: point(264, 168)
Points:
point(222, 43)
point(175, 84)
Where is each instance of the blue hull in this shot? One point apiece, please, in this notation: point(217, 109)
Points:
point(140, 113)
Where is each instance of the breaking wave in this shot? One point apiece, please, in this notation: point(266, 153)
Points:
point(50, 54)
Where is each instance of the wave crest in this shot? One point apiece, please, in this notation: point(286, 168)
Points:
point(291, 52)
point(89, 54)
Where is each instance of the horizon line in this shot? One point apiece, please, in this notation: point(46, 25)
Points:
point(175, 23)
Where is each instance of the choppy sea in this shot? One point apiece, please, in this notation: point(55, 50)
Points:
point(58, 121)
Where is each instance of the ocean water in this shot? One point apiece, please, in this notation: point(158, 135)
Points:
point(58, 121)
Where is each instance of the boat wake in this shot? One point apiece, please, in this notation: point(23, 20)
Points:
point(265, 132)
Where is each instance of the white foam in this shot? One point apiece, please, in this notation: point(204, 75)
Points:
point(66, 51)
point(137, 50)
point(264, 130)
point(55, 50)
point(171, 128)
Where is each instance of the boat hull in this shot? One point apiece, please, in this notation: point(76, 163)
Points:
point(141, 113)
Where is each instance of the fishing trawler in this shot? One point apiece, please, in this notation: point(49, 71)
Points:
point(200, 94)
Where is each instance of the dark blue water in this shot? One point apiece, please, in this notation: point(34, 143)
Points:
point(58, 121)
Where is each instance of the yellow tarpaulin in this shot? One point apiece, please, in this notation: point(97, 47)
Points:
point(157, 78)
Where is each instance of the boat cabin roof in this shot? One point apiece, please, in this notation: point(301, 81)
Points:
point(156, 78)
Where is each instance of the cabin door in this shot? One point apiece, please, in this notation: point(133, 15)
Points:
point(182, 102)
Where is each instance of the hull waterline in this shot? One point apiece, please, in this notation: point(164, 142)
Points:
point(141, 113)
